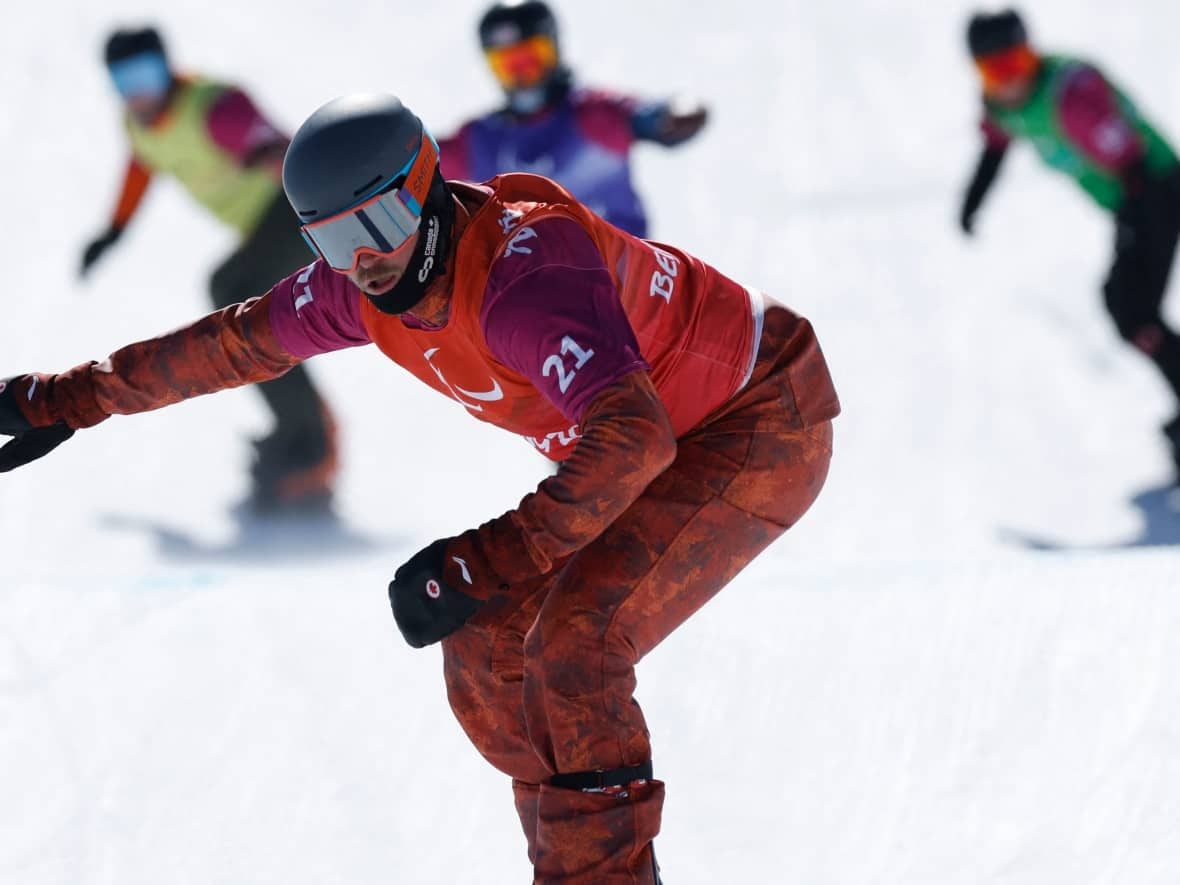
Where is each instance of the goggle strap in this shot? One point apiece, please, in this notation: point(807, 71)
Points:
point(417, 183)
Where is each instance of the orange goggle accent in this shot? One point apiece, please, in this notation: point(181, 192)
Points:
point(999, 69)
point(523, 64)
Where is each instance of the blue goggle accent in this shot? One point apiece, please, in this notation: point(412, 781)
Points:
point(145, 74)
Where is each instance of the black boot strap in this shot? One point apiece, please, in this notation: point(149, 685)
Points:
point(600, 779)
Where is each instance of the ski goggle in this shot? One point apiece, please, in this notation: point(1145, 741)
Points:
point(523, 64)
point(1000, 69)
point(382, 224)
point(145, 74)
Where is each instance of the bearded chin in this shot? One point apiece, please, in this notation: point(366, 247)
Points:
point(427, 262)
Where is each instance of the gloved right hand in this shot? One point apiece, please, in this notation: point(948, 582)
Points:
point(97, 246)
point(29, 442)
point(427, 602)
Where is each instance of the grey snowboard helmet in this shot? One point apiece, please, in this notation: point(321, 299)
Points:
point(362, 174)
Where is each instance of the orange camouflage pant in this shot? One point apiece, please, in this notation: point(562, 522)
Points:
point(542, 678)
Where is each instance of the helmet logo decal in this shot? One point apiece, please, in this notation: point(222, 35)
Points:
point(432, 228)
point(433, 590)
point(463, 566)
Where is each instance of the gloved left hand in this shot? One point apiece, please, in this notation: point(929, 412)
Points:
point(30, 443)
point(425, 594)
point(97, 247)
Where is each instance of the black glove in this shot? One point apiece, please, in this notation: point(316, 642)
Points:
point(30, 443)
point(669, 123)
point(981, 182)
point(425, 605)
point(97, 246)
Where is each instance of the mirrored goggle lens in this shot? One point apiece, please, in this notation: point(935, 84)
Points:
point(381, 225)
point(525, 63)
point(145, 74)
point(1001, 68)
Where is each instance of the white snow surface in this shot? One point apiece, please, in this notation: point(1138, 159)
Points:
point(959, 668)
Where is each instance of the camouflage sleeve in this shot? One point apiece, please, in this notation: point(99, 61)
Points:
point(228, 348)
point(628, 442)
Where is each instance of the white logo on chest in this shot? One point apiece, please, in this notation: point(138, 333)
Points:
point(461, 395)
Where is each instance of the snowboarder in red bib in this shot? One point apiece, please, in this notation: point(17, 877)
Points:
point(691, 417)
point(1084, 126)
point(228, 156)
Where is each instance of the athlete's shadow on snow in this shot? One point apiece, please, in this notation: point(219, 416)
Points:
point(1161, 526)
point(256, 539)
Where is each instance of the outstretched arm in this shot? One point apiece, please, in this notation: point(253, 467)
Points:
point(615, 122)
point(229, 348)
point(310, 312)
point(981, 182)
point(669, 122)
point(135, 182)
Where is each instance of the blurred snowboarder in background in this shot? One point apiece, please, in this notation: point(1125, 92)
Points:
point(691, 415)
point(580, 138)
point(228, 156)
point(1083, 125)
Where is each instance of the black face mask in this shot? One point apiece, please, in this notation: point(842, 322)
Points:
point(430, 254)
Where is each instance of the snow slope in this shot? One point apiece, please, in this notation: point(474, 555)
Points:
point(957, 669)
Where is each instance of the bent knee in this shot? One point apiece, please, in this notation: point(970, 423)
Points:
point(784, 474)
